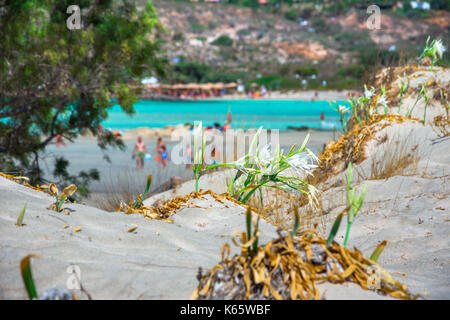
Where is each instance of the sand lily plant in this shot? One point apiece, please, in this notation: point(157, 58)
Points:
point(403, 86)
point(343, 111)
point(422, 94)
point(261, 167)
point(353, 205)
point(199, 151)
point(382, 100)
point(360, 106)
point(434, 51)
point(61, 198)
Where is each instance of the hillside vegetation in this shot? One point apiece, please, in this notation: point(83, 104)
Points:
point(281, 45)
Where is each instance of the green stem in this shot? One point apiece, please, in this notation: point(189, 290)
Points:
point(408, 114)
point(349, 224)
point(248, 195)
point(196, 181)
point(401, 101)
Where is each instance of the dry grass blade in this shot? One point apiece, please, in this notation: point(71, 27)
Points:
point(378, 250)
point(23, 181)
point(163, 210)
point(350, 147)
point(395, 157)
point(70, 190)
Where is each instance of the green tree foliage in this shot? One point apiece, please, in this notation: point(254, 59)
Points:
point(291, 15)
point(223, 40)
point(56, 81)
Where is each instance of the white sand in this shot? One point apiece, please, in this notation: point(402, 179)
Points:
point(159, 261)
point(411, 211)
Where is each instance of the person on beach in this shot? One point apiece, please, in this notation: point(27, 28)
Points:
point(139, 152)
point(159, 149)
point(159, 144)
point(164, 156)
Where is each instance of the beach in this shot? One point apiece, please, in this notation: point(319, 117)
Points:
point(304, 95)
point(84, 154)
point(154, 251)
point(225, 151)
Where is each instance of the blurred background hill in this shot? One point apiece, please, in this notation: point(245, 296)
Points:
point(294, 44)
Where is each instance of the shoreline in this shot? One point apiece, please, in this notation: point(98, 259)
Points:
point(281, 95)
point(167, 131)
point(84, 154)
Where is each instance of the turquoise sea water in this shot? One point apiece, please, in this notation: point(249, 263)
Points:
point(245, 113)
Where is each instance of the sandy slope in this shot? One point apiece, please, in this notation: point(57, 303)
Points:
point(159, 261)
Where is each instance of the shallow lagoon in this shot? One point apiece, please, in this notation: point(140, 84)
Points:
point(270, 114)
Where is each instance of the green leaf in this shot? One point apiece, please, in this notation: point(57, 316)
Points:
point(305, 142)
point(334, 229)
point(361, 197)
point(296, 223)
point(21, 215)
point(137, 203)
point(378, 250)
point(25, 269)
point(60, 203)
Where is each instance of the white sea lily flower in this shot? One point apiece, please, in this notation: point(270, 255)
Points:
point(239, 184)
point(240, 165)
point(439, 48)
point(343, 110)
point(312, 155)
point(312, 195)
point(302, 163)
point(271, 169)
point(382, 101)
point(264, 156)
point(369, 92)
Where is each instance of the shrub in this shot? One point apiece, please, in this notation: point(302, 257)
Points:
point(191, 71)
point(352, 71)
point(291, 15)
point(244, 32)
point(223, 40)
point(320, 24)
point(306, 71)
point(198, 27)
point(178, 37)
